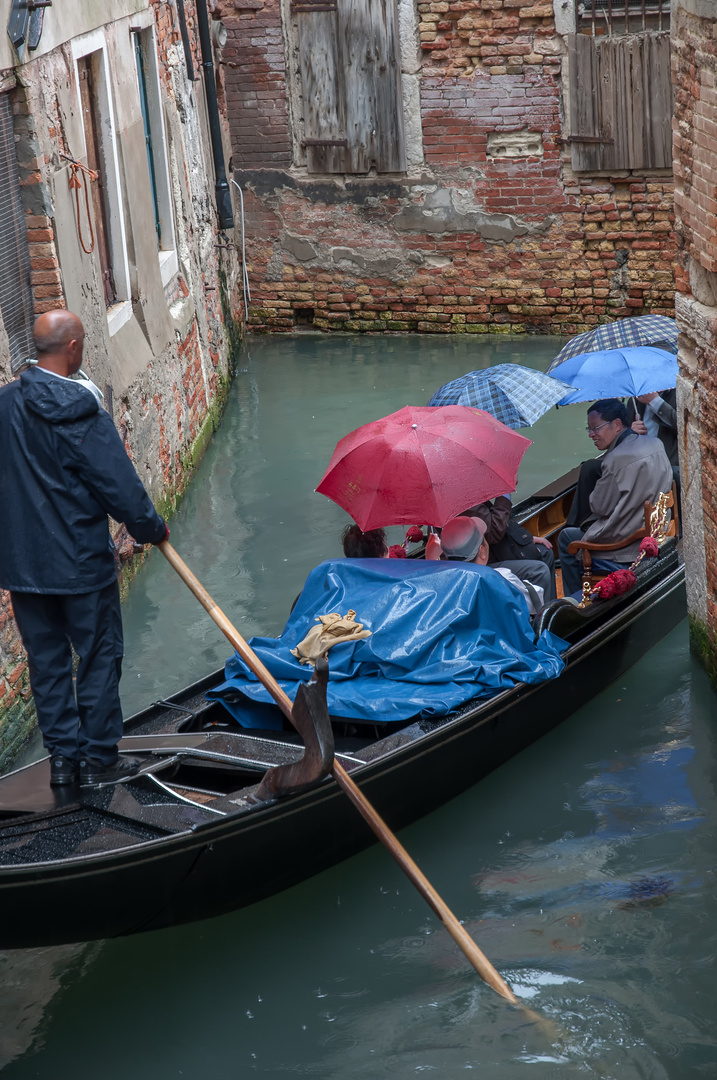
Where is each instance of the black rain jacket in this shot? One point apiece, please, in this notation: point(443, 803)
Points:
point(63, 469)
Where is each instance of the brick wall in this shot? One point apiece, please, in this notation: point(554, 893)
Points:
point(255, 85)
point(472, 239)
point(694, 60)
point(502, 37)
point(32, 164)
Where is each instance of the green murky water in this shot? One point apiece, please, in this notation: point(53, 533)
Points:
point(585, 867)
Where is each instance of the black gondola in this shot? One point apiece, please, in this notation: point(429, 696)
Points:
point(194, 835)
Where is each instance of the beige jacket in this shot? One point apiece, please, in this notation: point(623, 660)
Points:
point(635, 471)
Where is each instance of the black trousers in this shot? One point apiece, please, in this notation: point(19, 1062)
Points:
point(85, 719)
point(590, 473)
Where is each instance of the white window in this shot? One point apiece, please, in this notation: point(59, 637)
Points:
point(100, 144)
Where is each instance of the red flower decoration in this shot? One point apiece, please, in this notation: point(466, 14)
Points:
point(615, 584)
point(605, 589)
point(397, 551)
point(624, 581)
point(415, 535)
point(649, 547)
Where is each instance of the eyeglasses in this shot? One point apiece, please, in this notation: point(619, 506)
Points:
point(594, 430)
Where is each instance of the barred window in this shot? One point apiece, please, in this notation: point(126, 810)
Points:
point(16, 300)
point(617, 17)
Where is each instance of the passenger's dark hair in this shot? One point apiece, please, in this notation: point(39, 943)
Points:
point(610, 409)
point(363, 545)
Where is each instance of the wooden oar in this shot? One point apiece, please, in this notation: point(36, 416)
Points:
point(464, 941)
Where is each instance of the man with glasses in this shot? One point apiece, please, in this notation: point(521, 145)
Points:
point(634, 469)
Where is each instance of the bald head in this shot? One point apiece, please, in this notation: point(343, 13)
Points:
point(59, 340)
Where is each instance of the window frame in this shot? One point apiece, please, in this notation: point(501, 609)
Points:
point(93, 44)
point(145, 39)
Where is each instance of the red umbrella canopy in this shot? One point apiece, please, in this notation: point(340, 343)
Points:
point(422, 464)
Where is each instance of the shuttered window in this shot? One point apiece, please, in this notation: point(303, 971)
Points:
point(620, 89)
point(16, 301)
point(144, 106)
point(351, 85)
point(615, 17)
point(150, 101)
point(620, 101)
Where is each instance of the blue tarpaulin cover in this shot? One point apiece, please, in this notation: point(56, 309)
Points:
point(441, 634)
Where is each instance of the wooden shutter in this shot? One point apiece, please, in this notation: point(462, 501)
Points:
point(351, 85)
point(322, 87)
point(620, 102)
point(98, 188)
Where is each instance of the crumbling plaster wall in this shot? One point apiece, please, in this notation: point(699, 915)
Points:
point(165, 372)
point(489, 228)
point(694, 51)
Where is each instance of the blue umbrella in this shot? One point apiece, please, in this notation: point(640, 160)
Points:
point(618, 373)
point(656, 330)
point(515, 395)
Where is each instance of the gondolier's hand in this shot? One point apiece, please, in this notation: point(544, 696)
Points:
point(166, 534)
point(543, 541)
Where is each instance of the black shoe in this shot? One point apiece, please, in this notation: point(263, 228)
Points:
point(97, 772)
point(63, 770)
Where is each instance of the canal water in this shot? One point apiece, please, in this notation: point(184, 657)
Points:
point(584, 868)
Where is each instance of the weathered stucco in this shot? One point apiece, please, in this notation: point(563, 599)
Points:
point(165, 363)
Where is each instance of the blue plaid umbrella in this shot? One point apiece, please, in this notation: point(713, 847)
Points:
point(618, 373)
point(515, 395)
point(655, 330)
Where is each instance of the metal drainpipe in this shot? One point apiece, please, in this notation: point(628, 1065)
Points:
point(185, 40)
point(221, 187)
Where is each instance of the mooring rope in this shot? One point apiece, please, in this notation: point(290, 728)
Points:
point(77, 170)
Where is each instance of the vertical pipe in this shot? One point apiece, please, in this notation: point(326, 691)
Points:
point(222, 193)
point(186, 45)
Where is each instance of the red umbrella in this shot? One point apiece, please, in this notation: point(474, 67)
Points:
point(422, 464)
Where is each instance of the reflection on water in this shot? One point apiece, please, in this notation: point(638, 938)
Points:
point(584, 868)
point(349, 976)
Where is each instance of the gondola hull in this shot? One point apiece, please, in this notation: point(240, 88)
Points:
point(125, 870)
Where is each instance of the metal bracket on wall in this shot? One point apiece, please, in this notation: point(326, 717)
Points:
point(592, 139)
point(313, 5)
point(24, 25)
point(324, 142)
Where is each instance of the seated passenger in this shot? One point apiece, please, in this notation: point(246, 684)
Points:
point(364, 545)
point(649, 414)
point(512, 546)
point(634, 470)
point(463, 540)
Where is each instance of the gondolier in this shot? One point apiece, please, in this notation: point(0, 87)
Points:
point(63, 470)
